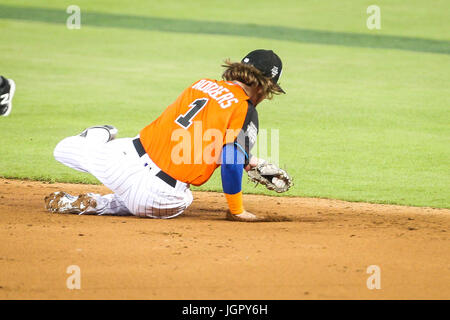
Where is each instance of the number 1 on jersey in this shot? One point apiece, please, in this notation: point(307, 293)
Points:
point(185, 120)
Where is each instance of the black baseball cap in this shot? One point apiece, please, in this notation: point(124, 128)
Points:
point(267, 62)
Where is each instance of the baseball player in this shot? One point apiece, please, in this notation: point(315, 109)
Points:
point(7, 89)
point(212, 123)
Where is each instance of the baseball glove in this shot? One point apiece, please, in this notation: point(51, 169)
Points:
point(269, 175)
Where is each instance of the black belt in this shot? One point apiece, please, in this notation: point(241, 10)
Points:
point(161, 174)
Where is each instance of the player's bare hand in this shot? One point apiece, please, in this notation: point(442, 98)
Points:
point(242, 217)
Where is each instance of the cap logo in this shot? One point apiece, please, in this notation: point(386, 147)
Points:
point(274, 71)
point(246, 60)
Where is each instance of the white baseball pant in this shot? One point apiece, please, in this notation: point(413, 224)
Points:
point(133, 179)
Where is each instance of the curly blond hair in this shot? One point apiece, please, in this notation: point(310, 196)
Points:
point(249, 75)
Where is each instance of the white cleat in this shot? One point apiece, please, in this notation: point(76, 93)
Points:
point(62, 202)
point(103, 133)
point(6, 95)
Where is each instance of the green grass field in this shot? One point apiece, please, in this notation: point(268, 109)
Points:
point(366, 117)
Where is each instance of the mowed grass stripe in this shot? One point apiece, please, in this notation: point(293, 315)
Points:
point(100, 19)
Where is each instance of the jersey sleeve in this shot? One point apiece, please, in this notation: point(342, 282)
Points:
point(246, 138)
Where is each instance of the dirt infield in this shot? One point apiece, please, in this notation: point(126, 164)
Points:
point(322, 253)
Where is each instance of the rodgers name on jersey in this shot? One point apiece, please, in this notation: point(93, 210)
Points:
point(186, 140)
point(222, 95)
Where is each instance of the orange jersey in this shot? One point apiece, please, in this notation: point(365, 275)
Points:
point(186, 140)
